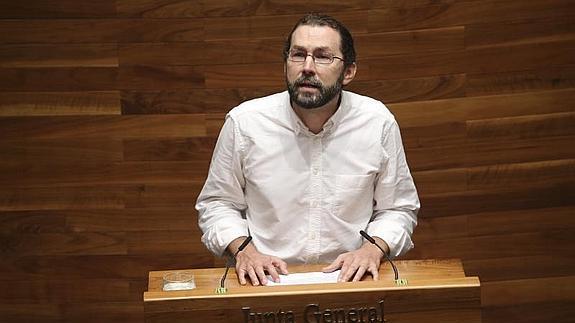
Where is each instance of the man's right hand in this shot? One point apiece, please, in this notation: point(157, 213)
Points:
point(252, 264)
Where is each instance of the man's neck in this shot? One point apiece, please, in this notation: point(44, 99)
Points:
point(314, 119)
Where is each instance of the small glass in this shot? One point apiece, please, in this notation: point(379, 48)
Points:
point(178, 280)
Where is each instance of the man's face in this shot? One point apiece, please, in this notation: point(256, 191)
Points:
point(313, 85)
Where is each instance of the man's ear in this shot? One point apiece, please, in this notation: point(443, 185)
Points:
point(349, 73)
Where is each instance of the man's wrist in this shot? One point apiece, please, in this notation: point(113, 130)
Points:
point(374, 248)
point(233, 246)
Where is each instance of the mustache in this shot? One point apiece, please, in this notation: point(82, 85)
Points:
point(309, 81)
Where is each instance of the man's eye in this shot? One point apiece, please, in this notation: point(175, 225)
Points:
point(299, 54)
point(323, 56)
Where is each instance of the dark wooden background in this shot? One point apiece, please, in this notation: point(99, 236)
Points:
point(109, 111)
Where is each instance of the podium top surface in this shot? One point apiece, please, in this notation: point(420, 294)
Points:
point(421, 274)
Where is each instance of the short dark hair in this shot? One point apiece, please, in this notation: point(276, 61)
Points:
point(317, 19)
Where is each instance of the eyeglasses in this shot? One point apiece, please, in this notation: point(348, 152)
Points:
point(299, 56)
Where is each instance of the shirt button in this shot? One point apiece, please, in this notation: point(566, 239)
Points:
point(315, 171)
point(312, 236)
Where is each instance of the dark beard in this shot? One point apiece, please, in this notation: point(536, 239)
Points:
point(313, 101)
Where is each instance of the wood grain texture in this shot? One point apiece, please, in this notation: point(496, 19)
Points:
point(59, 103)
point(60, 79)
point(466, 13)
point(548, 78)
point(412, 89)
point(433, 285)
point(109, 113)
point(59, 55)
point(192, 101)
point(103, 127)
point(58, 9)
point(75, 31)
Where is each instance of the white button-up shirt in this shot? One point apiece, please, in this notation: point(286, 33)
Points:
point(304, 197)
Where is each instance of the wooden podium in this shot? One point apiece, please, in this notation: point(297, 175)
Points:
point(436, 291)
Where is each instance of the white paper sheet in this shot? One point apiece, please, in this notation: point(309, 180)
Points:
point(315, 277)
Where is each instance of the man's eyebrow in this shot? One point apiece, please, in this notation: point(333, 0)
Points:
point(321, 48)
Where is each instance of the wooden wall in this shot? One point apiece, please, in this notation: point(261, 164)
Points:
point(109, 111)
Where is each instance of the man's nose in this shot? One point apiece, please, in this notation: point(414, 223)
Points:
point(309, 65)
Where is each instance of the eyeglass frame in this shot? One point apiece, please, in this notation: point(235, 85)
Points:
point(313, 57)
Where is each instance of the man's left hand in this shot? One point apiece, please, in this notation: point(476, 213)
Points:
point(355, 264)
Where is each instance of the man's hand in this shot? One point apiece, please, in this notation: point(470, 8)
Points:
point(355, 264)
point(253, 264)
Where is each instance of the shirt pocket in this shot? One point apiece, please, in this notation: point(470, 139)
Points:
point(352, 196)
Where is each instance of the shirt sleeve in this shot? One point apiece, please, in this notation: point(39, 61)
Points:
point(395, 198)
point(221, 203)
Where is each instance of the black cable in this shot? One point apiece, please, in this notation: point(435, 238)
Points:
point(241, 247)
point(372, 240)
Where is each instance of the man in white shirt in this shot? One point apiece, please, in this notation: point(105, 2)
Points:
point(303, 171)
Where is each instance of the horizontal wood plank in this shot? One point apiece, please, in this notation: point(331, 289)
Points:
point(245, 75)
point(496, 246)
point(59, 103)
point(412, 114)
point(60, 290)
point(131, 267)
point(375, 45)
point(202, 52)
point(165, 149)
point(466, 13)
point(62, 79)
point(119, 127)
point(105, 311)
point(30, 312)
point(30, 151)
point(504, 199)
point(165, 242)
point(475, 61)
point(59, 55)
point(490, 152)
point(521, 174)
point(58, 9)
point(527, 291)
point(84, 31)
point(189, 101)
point(412, 89)
point(559, 312)
point(43, 244)
point(135, 172)
point(251, 27)
point(514, 268)
point(522, 127)
point(548, 78)
point(182, 195)
point(161, 77)
point(61, 198)
point(98, 220)
point(504, 34)
point(495, 223)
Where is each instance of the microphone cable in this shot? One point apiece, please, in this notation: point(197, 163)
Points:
point(372, 240)
point(222, 289)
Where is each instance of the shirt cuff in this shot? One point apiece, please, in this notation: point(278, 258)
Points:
point(218, 239)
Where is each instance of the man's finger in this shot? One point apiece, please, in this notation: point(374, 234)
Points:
point(273, 272)
point(242, 276)
point(346, 271)
point(281, 265)
point(253, 276)
point(374, 272)
point(336, 264)
point(261, 275)
point(359, 273)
